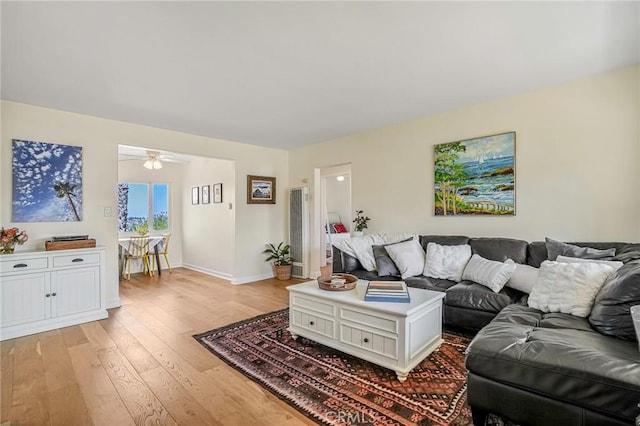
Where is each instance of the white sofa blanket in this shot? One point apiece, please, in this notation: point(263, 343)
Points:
point(361, 247)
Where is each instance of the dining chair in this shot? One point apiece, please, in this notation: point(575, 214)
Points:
point(165, 249)
point(138, 249)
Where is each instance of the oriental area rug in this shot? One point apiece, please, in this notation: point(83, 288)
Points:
point(332, 387)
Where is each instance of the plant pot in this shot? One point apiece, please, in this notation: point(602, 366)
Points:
point(357, 233)
point(283, 272)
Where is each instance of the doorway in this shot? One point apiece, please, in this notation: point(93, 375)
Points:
point(332, 211)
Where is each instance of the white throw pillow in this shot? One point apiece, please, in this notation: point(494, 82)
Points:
point(523, 278)
point(570, 288)
point(613, 263)
point(489, 273)
point(408, 257)
point(446, 262)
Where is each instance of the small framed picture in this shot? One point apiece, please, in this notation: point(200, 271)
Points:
point(261, 190)
point(206, 197)
point(195, 195)
point(217, 193)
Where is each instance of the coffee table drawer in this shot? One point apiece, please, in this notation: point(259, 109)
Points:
point(369, 340)
point(369, 320)
point(313, 323)
point(313, 304)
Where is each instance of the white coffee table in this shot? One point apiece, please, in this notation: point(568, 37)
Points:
point(397, 336)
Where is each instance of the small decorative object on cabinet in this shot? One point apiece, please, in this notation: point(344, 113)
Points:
point(9, 238)
point(45, 290)
point(281, 259)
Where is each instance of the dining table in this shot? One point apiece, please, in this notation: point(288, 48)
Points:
point(154, 243)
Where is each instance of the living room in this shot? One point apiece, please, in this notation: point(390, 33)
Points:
point(576, 124)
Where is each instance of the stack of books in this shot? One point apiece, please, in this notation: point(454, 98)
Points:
point(387, 291)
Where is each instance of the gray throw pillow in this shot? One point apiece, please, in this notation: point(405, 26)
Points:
point(557, 248)
point(385, 266)
point(611, 312)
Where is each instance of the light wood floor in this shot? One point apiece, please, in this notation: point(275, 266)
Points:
point(141, 365)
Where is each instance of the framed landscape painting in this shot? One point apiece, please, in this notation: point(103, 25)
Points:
point(476, 176)
point(261, 190)
point(47, 182)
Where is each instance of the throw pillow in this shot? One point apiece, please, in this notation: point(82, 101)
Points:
point(569, 288)
point(523, 278)
point(446, 262)
point(565, 259)
point(339, 228)
point(557, 248)
point(408, 257)
point(384, 263)
point(489, 273)
point(611, 311)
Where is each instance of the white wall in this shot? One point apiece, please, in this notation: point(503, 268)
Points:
point(577, 164)
point(171, 173)
point(256, 224)
point(209, 228)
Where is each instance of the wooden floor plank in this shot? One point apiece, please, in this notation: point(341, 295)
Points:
point(136, 354)
point(68, 407)
point(7, 350)
point(29, 400)
point(182, 406)
point(59, 372)
point(141, 402)
point(73, 336)
point(103, 401)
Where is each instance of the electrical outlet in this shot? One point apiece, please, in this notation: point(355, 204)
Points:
point(108, 212)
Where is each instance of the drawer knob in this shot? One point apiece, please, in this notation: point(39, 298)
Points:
point(310, 322)
point(47, 295)
point(20, 265)
point(77, 259)
point(53, 294)
point(366, 340)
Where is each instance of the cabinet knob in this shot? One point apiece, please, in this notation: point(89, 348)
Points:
point(53, 294)
point(310, 322)
point(47, 295)
point(366, 340)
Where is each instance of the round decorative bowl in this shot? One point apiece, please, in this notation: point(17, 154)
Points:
point(337, 282)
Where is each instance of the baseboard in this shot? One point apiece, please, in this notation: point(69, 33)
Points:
point(250, 279)
point(113, 303)
point(207, 271)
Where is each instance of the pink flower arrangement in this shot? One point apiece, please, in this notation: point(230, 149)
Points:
point(13, 236)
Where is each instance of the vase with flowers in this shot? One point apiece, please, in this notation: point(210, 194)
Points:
point(9, 238)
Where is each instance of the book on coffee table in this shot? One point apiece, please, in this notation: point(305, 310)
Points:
point(387, 291)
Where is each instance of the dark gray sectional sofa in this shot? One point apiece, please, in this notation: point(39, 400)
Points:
point(539, 368)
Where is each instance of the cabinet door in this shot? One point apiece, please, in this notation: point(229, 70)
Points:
point(76, 290)
point(24, 299)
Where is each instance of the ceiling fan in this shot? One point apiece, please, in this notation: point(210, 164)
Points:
point(152, 160)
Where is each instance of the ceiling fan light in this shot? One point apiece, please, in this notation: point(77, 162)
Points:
point(152, 163)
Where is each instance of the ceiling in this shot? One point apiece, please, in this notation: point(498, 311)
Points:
point(289, 74)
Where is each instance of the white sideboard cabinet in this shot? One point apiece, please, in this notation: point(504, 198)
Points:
point(45, 290)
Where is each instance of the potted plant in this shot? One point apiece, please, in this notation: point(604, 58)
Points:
point(281, 259)
point(361, 223)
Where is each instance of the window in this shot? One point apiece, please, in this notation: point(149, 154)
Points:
point(143, 207)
